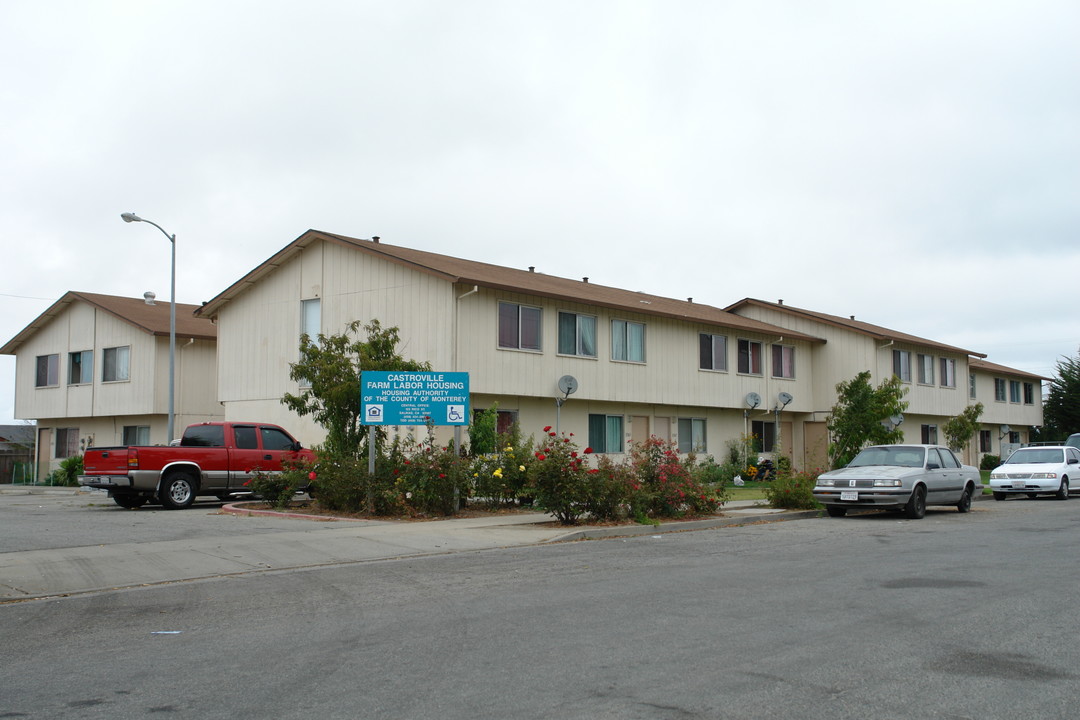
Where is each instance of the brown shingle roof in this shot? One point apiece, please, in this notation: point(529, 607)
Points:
point(152, 319)
point(471, 272)
point(875, 331)
point(990, 367)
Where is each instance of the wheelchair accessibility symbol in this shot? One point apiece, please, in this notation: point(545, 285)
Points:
point(455, 413)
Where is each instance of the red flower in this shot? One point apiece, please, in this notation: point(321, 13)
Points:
point(540, 456)
point(442, 475)
point(573, 454)
point(593, 471)
point(311, 475)
point(551, 434)
point(588, 451)
point(547, 428)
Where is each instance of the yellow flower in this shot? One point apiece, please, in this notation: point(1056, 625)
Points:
point(497, 473)
point(521, 468)
point(509, 448)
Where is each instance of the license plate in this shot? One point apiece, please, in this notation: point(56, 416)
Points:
point(849, 495)
point(1018, 483)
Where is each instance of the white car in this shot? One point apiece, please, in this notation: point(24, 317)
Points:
point(898, 477)
point(1035, 471)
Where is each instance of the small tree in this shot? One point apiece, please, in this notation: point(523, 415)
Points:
point(329, 370)
point(1062, 407)
point(960, 429)
point(856, 420)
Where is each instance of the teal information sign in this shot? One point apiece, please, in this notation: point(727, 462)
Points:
point(411, 397)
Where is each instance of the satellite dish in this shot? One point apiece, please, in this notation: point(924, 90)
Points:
point(784, 398)
point(1005, 429)
point(567, 384)
point(753, 400)
point(896, 419)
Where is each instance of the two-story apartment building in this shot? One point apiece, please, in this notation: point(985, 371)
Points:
point(93, 370)
point(941, 380)
point(645, 365)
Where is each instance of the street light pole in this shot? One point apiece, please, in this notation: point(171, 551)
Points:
point(132, 217)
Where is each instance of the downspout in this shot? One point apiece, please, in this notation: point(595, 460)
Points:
point(454, 363)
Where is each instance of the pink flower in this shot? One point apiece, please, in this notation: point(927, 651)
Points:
point(311, 475)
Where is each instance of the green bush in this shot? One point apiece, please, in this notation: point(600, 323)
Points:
point(793, 491)
point(500, 479)
point(279, 488)
point(68, 473)
point(989, 462)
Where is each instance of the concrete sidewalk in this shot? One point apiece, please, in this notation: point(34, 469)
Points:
point(307, 543)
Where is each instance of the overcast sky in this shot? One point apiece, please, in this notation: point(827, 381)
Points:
point(915, 164)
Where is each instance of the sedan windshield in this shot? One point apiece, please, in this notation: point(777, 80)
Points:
point(1035, 456)
point(900, 456)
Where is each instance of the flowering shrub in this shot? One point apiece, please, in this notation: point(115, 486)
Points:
point(793, 490)
point(668, 488)
point(429, 478)
point(278, 488)
point(501, 478)
point(557, 476)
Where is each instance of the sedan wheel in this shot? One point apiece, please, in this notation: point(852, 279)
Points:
point(999, 495)
point(965, 501)
point(916, 507)
point(1063, 491)
point(836, 510)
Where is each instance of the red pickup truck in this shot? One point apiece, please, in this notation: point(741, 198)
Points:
point(213, 458)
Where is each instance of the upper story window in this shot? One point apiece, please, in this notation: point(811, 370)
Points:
point(80, 367)
point(783, 361)
point(750, 357)
point(577, 334)
point(47, 373)
point(712, 352)
point(926, 369)
point(627, 341)
point(311, 318)
point(1014, 391)
point(948, 372)
point(116, 364)
point(999, 389)
point(519, 326)
point(1029, 394)
point(901, 365)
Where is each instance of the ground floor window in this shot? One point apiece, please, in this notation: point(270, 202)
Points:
point(764, 435)
point(136, 435)
point(67, 442)
point(691, 435)
point(984, 441)
point(606, 433)
point(929, 434)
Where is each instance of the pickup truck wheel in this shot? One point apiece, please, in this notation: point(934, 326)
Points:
point(916, 507)
point(131, 502)
point(1063, 491)
point(177, 491)
point(965, 501)
point(836, 510)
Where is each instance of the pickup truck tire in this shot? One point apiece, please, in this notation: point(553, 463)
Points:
point(916, 506)
point(965, 501)
point(177, 490)
point(131, 502)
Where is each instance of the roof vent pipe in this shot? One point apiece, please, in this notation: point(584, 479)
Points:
point(148, 297)
point(689, 300)
point(375, 239)
point(532, 268)
point(852, 317)
point(584, 279)
point(780, 301)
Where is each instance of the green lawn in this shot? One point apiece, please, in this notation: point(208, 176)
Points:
point(750, 491)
